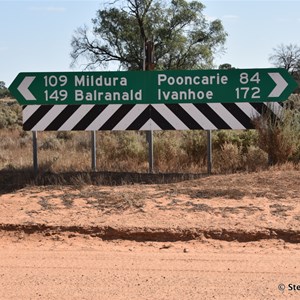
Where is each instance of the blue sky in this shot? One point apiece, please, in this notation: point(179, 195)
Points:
point(36, 35)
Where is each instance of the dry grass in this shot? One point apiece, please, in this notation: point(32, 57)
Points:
point(174, 151)
point(183, 152)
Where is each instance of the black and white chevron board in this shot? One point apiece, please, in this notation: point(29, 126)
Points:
point(210, 116)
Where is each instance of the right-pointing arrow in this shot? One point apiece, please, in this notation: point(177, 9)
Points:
point(281, 84)
point(23, 88)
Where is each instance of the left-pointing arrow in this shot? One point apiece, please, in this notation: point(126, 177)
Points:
point(23, 88)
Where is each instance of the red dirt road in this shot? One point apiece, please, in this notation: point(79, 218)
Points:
point(221, 237)
point(72, 268)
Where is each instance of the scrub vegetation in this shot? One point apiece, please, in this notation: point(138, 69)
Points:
point(274, 142)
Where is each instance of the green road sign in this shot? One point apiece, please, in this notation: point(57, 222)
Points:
point(153, 87)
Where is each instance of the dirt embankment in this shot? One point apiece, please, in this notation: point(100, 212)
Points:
point(241, 207)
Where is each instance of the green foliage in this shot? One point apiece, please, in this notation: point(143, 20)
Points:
point(166, 148)
point(123, 146)
point(194, 143)
point(4, 92)
point(183, 38)
point(10, 115)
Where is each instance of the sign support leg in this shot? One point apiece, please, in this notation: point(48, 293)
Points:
point(35, 153)
point(209, 152)
point(94, 151)
point(150, 150)
point(148, 65)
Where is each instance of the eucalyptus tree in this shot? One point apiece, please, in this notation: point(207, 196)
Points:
point(182, 36)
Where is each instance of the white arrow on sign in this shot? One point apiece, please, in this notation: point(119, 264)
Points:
point(281, 84)
point(23, 88)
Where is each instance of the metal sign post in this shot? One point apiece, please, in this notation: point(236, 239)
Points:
point(35, 153)
point(209, 152)
point(94, 151)
point(149, 66)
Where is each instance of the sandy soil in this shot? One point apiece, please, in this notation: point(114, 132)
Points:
point(83, 267)
point(239, 219)
point(243, 207)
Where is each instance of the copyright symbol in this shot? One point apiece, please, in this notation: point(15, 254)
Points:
point(281, 287)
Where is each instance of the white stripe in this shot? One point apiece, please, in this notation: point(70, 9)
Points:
point(103, 117)
point(248, 109)
point(170, 116)
point(275, 107)
point(48, 117)
point(28, 111)
point(131, 116)
point(226, 116)
point(76, 117)
point(198, 116)
point(150, 125)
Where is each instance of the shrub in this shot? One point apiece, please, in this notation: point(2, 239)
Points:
point(51, 143)
point(8, 116)
point(166, 150)
point(254, 159)
point(82, 141)
point(194, 144)
point(4, 92)
point(65, 135)
point(226, 159)
point(279, 137)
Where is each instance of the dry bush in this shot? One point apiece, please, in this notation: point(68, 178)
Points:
point(280, 138)
point(65, 135)
point(226, 159)
point(121, 151)
point(194, 144)
point(82, 141)
point(174, 151)
point(167, 151)
point(254, 159)
point(51, 143)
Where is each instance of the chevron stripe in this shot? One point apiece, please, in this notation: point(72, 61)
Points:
point(28, 111)
point(116, 117)
point(248, 110)
point(50, 115)
point(166, 113)
point(197, 118)
point(79, 114)
point(213, 116)
point(238, 114)
point(30, 120)
point(152, 118)
point(59, 121)
point(90, 117)
point(275, 107)
point(150, 125)
point(132, 115)
point(209, 116)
